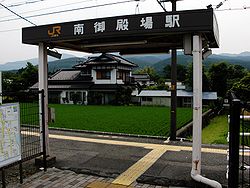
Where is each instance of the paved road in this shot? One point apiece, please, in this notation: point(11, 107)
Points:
point(129, 159)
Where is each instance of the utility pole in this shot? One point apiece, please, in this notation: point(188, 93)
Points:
point(173, 78)
point(173, 85)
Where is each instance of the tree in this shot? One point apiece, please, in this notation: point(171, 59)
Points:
point(29, 75)
point(20, 80)
point(181, 72)
point(150, 71)
point(242, 88)
point(123, 95)
point(189, 78)
point(218, 78)
point(235, 74)
point(223, 76)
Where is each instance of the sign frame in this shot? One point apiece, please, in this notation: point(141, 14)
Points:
point(18, 157)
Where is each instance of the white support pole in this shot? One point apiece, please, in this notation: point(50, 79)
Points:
point(1, 89)
point(197, 114)
point(43, 84)
point(197, 104)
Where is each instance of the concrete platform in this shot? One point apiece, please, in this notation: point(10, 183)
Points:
point(114, 157)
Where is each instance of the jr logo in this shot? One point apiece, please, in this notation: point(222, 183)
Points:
point(55, 31)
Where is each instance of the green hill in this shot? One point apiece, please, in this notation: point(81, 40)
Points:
point(68, 63)
point(184, 60)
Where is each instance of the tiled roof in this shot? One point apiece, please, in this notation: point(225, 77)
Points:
point(105, 59)
point(65, 75)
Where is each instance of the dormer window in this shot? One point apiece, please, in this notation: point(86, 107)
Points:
point(103, 74)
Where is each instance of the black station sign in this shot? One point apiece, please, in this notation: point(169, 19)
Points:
point(131, 25)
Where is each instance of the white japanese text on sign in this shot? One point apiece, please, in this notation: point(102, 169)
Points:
point(79, 29)
point(122, 24)
point(172, 21)
point(147, 23)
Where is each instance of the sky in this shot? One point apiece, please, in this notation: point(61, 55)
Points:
point(233, 24)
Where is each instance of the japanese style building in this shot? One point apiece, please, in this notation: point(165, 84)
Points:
point(184, 98)
point(94, 81)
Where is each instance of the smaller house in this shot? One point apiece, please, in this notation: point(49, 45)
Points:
point(142, 79)
point(163, 97)
point(179, 85)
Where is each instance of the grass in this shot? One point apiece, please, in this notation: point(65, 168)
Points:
point(141, 120)
point(216, 131)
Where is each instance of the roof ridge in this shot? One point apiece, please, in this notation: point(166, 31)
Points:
point(57, 72)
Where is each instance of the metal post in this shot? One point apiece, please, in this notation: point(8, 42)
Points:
point(197, 104)
point(173, 95)
point(173, 86)
point(21, 172)
point(234, 132)
point(43, 132)
point(43, 85)
point(3, 178)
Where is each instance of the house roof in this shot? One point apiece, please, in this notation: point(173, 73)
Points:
point(180, 93)
point(141, 77)
point(105, 59)
point(65, 86)
point(67, 74)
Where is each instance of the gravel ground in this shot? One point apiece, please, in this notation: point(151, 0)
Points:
point(12, 175)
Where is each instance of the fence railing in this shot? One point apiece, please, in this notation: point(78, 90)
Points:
point(239, 144)
point(32, 133)
point(245, 147)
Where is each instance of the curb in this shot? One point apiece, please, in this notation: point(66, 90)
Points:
point(108, 133)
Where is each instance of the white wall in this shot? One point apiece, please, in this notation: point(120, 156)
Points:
point(158, 101)
point(112, 80)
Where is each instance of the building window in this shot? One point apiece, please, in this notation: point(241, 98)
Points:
point(147, 99)
point(71, 94)
point(79, 95)
point(187, 102)
point(103, 74)
point(119, 75)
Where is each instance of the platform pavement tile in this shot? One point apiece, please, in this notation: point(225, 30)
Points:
point(82, 183)
point(97, 184)
point(40, 186)
point(74, 182)
point(57, 185)
point(70, 181)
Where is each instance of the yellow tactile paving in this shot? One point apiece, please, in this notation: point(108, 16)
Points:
point(214, 150)
point(133, 144)
point(136, 170)
point(98, 184)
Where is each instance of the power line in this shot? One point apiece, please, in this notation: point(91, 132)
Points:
point(49, 8)
point(24, 3)
point(162, 5)
point(231, 9)
point(69, 10)
point(17, 14)
point(220, 4)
